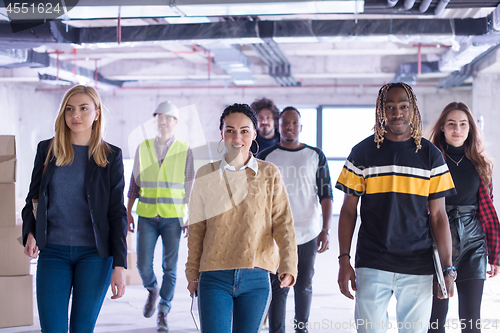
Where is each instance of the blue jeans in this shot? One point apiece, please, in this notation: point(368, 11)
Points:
point(374, 291)
point(236, 297)
point(302, 291)
point(62, 269)
point(148, 231)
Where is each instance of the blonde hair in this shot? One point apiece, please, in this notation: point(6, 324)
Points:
point(61, 148)
point(381, 118)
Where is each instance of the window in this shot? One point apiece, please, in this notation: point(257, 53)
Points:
point(344, 127)
point(309, 126)
point(341, 129)
point(308, 117)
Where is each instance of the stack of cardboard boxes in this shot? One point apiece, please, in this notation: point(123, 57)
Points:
point(16, 283)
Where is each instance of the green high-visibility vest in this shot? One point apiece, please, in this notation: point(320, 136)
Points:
point(162, 188)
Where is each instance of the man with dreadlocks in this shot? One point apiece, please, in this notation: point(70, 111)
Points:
point(402, 180)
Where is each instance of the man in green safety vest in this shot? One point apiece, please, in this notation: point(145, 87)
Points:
point(162, 179)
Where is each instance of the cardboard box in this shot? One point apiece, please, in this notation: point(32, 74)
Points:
point(131, 241)
point(20, 203)
point(7, 205)
point(132, 273)
point(13, 261)
point(7, 159)
point(16, 303)
point(133, 278)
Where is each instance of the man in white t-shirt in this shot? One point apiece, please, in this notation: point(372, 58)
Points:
point(307, 179)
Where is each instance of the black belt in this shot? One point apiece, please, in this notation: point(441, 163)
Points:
point(461, 209)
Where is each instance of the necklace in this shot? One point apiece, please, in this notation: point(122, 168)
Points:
point(457, 163)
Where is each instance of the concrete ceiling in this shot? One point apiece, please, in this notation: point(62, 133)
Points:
point(147, 43)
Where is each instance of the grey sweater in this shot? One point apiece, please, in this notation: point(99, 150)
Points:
point(68, 220)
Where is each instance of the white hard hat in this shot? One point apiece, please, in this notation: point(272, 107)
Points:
point(167, 108)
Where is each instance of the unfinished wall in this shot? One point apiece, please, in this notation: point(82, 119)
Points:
point(30, 114)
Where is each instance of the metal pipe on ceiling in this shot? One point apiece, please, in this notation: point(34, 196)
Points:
point(96, 77)
point(409, 4)
point(209, 64)
point(419, 59)
point(441, 6)
point(424, 5)
point(391, 3)
point(119, 27)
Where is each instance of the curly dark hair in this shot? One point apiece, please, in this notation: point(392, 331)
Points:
point(266, 103)
point(242, 108)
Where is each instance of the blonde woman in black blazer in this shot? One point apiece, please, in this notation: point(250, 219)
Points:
point(80, 228)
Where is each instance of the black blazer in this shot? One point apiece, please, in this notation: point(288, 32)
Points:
point(104, 189)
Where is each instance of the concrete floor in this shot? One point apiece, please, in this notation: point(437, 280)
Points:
point(330, 312)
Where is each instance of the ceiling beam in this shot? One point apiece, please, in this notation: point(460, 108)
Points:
point(248, 30)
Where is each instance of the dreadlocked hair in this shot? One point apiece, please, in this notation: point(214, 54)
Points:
point(381, 118)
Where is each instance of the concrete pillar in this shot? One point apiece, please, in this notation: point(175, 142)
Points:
point(486, 103)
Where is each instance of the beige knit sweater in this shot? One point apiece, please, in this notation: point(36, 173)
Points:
point(236, 221)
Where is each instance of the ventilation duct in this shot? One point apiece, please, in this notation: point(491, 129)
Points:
point(53, 71)
point(408, 72)
point(495, 19)
point(10, 57)
point(13, 58)
point(249, 32)
point(54, 80)
point(278, 64)
point(454, 60)
point(67, 71)
point(233, 62)
point(457, 79)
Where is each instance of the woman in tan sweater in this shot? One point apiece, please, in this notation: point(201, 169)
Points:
point(239, 212)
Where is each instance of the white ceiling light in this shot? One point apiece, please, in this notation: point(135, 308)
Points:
point(82, 12)
point(228, 41)
point(95, 12)
point(187, 20)
point(309, 39)
point(275, 8)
